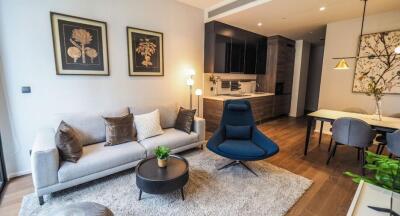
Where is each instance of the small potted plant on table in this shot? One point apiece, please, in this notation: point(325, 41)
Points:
point(162, 154)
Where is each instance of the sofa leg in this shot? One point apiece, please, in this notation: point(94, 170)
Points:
point(41, 200)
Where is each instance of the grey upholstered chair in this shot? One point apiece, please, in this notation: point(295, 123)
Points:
point(393, 143)
point(352, 110)
point(352, 132)
point(381, 137)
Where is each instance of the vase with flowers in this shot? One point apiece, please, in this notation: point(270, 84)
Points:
point(375, 90)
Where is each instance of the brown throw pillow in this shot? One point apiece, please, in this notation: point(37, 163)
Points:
point(119, 129)
point(68, 143)
point(185, 119)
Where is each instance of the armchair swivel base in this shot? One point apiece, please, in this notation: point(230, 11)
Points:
point(238, 162)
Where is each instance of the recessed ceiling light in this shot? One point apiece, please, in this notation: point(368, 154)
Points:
point(322, 8)
point(259, 23)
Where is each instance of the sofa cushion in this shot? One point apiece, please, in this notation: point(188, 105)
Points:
point(171, 138)
point(241, 148)
point(67, 143)
point(168, 113)
point(148, 125)
point(185, 120)
point(119, 129)
point(97, 158)
point(89, 126)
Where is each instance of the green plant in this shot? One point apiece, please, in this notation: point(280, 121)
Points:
point(386, 172)
point(162, 152)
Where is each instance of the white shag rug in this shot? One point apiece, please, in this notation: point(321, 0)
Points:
point(231, 191)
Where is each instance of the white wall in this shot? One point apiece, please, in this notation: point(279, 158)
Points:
point(299, 88)
point(342, 40)
point(27, 52)
point(314, 77)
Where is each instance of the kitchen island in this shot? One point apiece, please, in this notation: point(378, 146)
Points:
point(264, 106)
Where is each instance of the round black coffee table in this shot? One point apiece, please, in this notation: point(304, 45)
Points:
point(155, 180)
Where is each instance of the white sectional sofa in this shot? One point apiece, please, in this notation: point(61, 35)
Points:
point(50, 174)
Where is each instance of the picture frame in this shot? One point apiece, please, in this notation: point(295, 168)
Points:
point(145, 52)
point(373, 64)
point(80, 45)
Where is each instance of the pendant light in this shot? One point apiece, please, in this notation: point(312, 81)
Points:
point(342, 64)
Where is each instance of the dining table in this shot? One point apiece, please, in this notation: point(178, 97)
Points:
point(385, 124)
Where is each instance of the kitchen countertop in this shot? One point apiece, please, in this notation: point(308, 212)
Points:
point(227, 97)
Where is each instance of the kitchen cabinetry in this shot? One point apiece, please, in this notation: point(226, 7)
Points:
point(262, 108)
point(279, 76)
point(228, 49)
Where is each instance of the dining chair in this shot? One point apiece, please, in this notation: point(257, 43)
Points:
point(352, 110)
point(393, 143)
point(381, 137)
point(354, 133)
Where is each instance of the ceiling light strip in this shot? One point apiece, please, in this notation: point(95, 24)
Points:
point(229, 7)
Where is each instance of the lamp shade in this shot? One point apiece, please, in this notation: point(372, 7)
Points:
point(190, 71)
point(198, 92)
point(189, 82)
point(342, 65)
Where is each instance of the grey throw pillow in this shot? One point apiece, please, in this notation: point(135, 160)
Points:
point(67, 142)
point(119, 129)
point(185, 120)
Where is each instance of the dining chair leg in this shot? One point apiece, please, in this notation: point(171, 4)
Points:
point(377, 149)
point(331, 154)
point(362, 162)
point(358, 154)
point(330, 145)
point(382, 148)
point(334, 149)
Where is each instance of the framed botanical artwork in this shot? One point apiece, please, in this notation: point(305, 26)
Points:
point(145, 52)
point(80, 45)
point(378, 64)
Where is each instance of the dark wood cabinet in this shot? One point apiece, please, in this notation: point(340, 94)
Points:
point(281, 104)
point(229, 49)
point(279, 76)
point(280, 65)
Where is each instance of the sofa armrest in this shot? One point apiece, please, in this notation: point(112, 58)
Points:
point(44, 159)
point(200, 128)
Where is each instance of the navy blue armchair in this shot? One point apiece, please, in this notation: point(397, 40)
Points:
point(238, 138)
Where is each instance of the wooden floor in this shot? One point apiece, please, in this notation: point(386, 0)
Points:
point(330, 194)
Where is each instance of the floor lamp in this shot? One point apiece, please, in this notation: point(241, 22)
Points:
point(190, 82)
point(198, 93)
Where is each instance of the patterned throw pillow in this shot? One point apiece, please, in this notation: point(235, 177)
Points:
point(67, 142)
point(119, 129)
point(185, 120)
point(148, 125)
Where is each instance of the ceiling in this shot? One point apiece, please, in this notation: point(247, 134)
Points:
point(202, 4)
point(298, 19)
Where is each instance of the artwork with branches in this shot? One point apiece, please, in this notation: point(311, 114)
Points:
point(145, 52)
point(80, 45)
point(378, 66)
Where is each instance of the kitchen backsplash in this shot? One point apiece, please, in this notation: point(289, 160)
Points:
point(229, 83)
